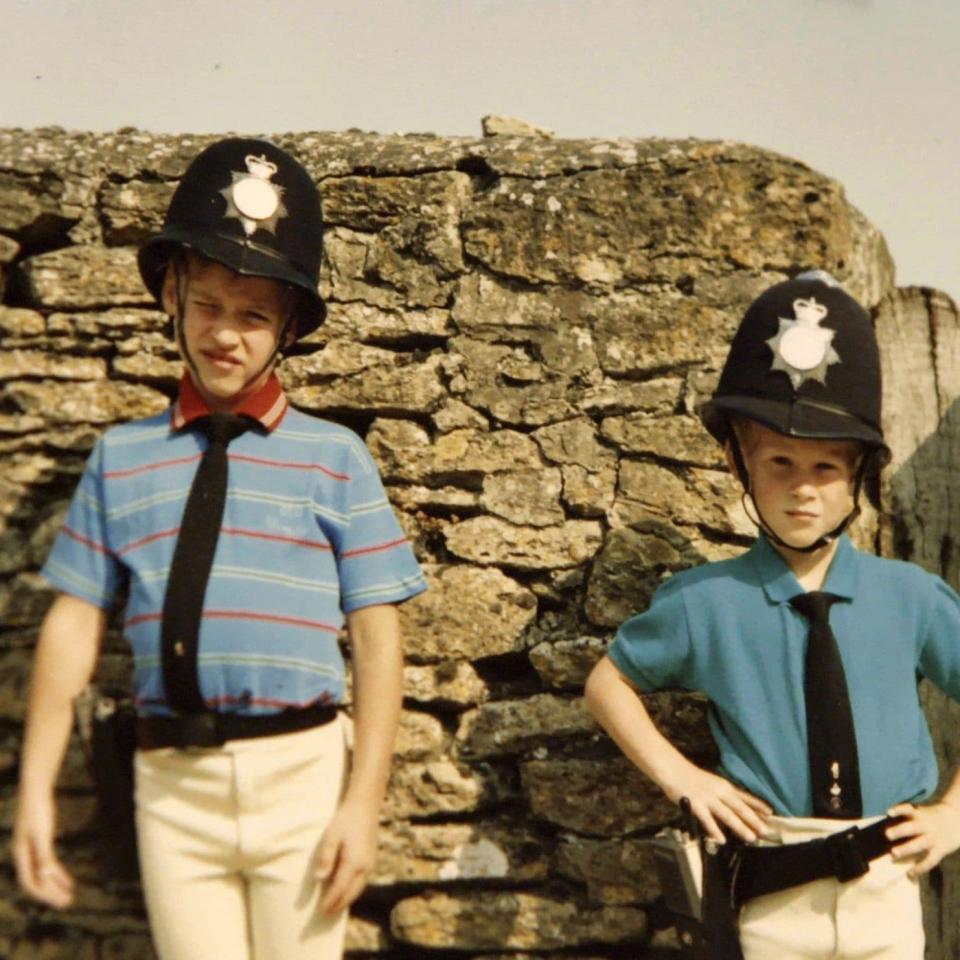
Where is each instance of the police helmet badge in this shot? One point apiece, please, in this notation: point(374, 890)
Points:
point(253, 199)
point(802, 349)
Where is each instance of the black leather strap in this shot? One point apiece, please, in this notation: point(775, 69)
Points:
point(215, 729)
point(845, 855)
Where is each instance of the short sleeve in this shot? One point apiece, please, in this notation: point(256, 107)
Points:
point(81, 562)
point(375, 560)
point(940, 651)
point(652, 649)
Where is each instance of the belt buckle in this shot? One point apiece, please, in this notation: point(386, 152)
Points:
point(845, 854)
point(200, 730)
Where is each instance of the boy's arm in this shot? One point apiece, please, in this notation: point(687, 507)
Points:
point(714, 800)
point(64, 661)
point(349, 847)
point(930, 831)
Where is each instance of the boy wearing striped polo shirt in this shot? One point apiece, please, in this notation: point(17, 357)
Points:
point(247, 533)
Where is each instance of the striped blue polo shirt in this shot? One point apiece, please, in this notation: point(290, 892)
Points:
point(727, 629)
point(307, 536)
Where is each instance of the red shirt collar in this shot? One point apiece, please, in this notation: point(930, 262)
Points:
point(268, 404)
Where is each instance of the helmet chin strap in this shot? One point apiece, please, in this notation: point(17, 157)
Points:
point(822, 541)
point(182, 282)
point(818, 544)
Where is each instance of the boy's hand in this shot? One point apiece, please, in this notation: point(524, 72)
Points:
point(39, 871)
point(715, 801)
point(346, 856)
point(929, 833)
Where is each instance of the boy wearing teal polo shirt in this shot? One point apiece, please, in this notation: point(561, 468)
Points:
point(249, 534)
point(809, 652)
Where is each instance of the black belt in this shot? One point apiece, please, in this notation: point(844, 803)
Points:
point(846, 855)
point(215, 729)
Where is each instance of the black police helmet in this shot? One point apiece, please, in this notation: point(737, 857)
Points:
point(804, 362)
point(248, 205)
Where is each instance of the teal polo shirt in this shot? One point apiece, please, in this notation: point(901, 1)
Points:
point(727, 629)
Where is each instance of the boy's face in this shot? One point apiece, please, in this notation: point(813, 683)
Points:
point(230, 328)
point(802, 488)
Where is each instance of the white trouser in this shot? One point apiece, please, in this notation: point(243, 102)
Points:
point(227, 839)
point(875, 917)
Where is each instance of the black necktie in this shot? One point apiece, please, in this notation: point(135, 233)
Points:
point(192, 560)
point(834, 766)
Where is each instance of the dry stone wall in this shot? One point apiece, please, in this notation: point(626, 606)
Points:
point(522, 329)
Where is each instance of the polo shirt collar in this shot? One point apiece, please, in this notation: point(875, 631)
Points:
point(778, 580)
point(267, 405)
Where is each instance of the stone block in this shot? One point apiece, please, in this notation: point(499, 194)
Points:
point(134, 210)
point(448, 682)
point(658, 329)
point(525, 497)
point(419, 736)
point(374, 203)
point(113, 324)
point(78, 277)
point(107, 401)
point(17, 364)
point(565, 664)
point(450, 852)
point(586, 493)
point(614, 871)
point(356, 377)
point(628, 570)
point(20, 324)
point(468, 612)
point(364, 936)
point(687, 496)
point(493, 541)
point(404, 452)
point(575, 442)
point(508, 727)
point(600, 798)
point(418, 790)
point(517, 921)
point(363, 323)
point(9, 249)
point(677, 438)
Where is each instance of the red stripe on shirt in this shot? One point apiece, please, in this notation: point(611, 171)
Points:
point(374, 549)
point(269, 618)
point(86, 541)
point(290, 466)
point(143, 541)
point(146, 468)
point(238, 532)
point(228, 531)
point(243, 615)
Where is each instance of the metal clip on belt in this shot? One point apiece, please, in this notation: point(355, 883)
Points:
point(215, 729)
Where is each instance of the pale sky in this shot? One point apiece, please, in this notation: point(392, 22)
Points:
point(866, 91)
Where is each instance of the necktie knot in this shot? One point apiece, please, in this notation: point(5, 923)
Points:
point(814, 605)
point(222, 428)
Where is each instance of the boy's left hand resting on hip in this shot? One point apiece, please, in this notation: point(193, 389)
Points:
point(929, 832)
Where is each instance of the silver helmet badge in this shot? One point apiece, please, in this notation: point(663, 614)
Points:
point(253, 199)
point(802, 349)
